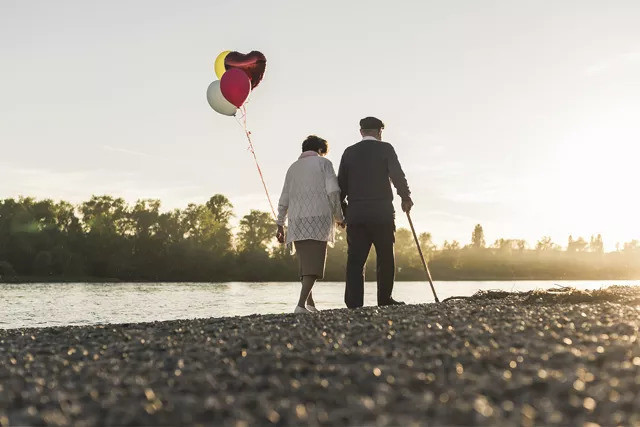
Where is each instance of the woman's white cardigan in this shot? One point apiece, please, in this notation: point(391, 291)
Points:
point(311, 199)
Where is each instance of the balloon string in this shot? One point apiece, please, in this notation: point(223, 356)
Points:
point(243, 122)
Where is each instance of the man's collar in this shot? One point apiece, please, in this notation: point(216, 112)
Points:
point(370, 138)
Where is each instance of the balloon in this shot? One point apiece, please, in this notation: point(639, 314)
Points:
point(217, 100)
point(252, 63)
point(235, 86)
point(219, 64)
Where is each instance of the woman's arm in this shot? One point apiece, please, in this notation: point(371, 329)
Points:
point(283, 203)
point(336, 207)
point(333, 191)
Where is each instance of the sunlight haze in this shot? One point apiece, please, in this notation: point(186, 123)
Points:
point(520, 116)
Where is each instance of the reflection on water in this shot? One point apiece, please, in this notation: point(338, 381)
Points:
point(55, 304)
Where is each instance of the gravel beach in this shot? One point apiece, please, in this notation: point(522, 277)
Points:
point(570, 358)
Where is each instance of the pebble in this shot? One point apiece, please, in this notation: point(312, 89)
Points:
point(483, 361)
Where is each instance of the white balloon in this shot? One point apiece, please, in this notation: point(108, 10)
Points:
point(217, 100)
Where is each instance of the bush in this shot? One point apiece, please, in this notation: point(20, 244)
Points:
point(6, 270)
point(43, 263)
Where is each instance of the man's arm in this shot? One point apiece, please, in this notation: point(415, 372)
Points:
point(399, 180)
point(342, 182)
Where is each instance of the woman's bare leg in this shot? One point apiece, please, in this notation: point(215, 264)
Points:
point(307, 284)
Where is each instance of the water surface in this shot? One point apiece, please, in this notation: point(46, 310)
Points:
point(56, 304)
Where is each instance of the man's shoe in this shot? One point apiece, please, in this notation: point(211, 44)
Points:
point(301, 310)
point(392, 302)
point(312, 308)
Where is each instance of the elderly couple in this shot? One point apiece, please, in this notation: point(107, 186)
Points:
point(314, 199)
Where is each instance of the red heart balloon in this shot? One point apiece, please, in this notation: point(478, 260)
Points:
point(252, 63)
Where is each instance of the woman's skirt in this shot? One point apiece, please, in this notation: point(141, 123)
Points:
point(312, 255)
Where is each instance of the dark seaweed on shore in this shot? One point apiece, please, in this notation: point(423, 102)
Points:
point(559, 295)
point(560, 357)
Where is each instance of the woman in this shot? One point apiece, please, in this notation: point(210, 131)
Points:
point(311, 199)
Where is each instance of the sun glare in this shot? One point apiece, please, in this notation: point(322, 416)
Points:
point(590, 183)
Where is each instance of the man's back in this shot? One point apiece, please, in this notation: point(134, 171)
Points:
point(364, 174)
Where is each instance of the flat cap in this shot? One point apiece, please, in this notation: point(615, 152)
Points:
point(371, 123)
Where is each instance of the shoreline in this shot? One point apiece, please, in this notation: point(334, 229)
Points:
point(32, 280)
point(498, 358)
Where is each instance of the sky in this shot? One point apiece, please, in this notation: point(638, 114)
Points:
point(520, 116)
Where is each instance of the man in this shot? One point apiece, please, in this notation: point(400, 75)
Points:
point(364, 174)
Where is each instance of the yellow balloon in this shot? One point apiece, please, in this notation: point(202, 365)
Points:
point(219, 65)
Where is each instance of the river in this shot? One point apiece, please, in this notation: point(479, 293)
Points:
point(58, 304)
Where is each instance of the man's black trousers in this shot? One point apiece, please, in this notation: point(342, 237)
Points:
point(360, 237)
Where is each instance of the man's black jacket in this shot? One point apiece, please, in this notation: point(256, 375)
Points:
point(365, 172)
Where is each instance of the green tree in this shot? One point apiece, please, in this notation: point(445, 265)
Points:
point(109, 231)
point(596, 245)
point(171, 229)
point(426, 243)
point(106, 238)
point(546, 244)
point(106, 215)
point(255, 238)
point(579, 245)
point(144, 218)
point(256, 232)
point(477, 237)
point(405, 250)
point(27, 228)
point(66, 219)
point(221, 209)
point(453, 246)
point(510, 245)
point(6, 270)
point(203, 228)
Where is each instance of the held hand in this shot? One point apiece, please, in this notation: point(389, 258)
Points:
point(280, 234)
point(407, 204)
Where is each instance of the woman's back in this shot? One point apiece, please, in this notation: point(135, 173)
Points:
point(307, 188)
point(305, 199)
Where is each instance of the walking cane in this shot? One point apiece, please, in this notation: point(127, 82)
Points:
point(424, 263)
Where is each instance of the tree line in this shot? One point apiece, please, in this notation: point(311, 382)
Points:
point(105, 238)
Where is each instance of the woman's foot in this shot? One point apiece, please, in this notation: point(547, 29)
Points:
point(299, 309)
point(312, 308)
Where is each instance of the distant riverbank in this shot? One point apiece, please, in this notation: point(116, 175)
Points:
point(533, 359)
point(448, 278)
point(60, 279)
point(107, 239)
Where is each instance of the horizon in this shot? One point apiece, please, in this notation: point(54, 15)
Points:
point(519, 117)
